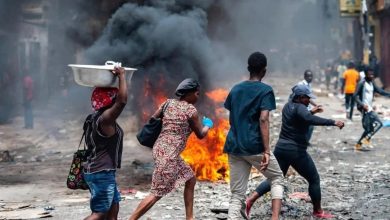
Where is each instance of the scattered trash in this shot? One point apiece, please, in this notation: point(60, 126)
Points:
point(128, 191)
point(49, 208)
point(25, 214)
point(6, 157)
point(386, 123)
point(219, 210)
point(22, 211)
point(221, 216)
point(338, 116)
point(62, 131)
point(300, 195)
point(140, 195)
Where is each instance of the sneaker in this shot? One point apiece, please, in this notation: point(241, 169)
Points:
point(323, 214)
point(358, 147)
point(243, 214)
point(367, 142)
point(243, 211)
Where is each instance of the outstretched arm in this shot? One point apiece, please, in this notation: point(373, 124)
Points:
point(308, 117)
point(199, 130)
point(381, 91)
point(107, 120)
point(315, 120)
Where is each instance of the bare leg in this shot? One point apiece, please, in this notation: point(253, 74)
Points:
point(252, 199)
point(144, 206)
point(189, 198)
point(276, 206)
point(96, 216)
point(113, 212)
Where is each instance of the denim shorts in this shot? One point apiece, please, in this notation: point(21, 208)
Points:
point(104, 190)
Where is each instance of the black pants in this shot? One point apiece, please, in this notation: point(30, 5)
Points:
point(301, 161)
point(349, 104)
point(371, 125)
point(310, 133)
point(327, 80)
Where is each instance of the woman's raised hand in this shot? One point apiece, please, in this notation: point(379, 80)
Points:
point(118, 71)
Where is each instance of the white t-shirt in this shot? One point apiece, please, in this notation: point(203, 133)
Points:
point(368, 95)
point(304, 82)
point(362, 76)
point(341, 69)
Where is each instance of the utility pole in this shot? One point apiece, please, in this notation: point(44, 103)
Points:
point(365, 32)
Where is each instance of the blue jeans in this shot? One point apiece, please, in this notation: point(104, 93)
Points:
point(301, 161)
point(103, 189)
point(28, 115)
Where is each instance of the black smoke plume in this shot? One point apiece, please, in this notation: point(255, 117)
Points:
point(165, 40)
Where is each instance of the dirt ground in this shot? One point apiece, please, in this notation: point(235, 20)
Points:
point(355, 185)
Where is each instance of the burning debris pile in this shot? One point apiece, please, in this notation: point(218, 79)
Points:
point(206, 156)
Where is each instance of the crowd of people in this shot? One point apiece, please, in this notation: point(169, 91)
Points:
point(247, 143)
point(356, 85)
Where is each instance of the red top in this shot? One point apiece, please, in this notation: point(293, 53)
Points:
point(28, 86)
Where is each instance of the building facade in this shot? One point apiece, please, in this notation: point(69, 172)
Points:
point(379, 11)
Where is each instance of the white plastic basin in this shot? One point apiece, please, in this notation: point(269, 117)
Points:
point(98, 75)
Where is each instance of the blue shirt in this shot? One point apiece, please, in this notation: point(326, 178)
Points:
point(245, 102)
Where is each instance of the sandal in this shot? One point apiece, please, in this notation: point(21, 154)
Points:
point(248, 207)
point(323, 214)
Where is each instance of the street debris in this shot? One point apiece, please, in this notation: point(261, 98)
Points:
point(6, 157)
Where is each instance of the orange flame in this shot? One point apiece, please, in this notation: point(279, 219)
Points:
point(206, 156)
point(218, 95)
point(153, 97)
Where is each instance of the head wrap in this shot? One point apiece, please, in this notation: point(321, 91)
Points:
point(103, 97)
point(186, 86)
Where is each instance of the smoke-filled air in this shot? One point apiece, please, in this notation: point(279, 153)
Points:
point(251, 109)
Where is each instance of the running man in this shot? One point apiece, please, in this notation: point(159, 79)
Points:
point(364, 97)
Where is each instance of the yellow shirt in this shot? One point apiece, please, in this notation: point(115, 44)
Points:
point(351, 79)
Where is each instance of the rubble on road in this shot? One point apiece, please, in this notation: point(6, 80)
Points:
point(6, 157)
